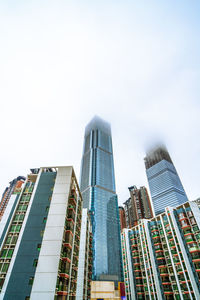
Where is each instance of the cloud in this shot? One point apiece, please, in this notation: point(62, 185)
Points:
point(135, 65)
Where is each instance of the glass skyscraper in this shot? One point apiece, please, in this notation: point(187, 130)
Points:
point(164, 183)
point(99, 196)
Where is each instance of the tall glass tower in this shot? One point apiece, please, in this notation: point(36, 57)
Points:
point(99, 196)
point(164, 183)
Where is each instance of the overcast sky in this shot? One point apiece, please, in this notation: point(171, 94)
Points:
point(134, 63)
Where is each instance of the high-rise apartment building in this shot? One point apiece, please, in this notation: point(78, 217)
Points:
point(164, 182)
point(14, 188)
point(138, 206)
point(161, 256)
point(99, 196)
point(122, 218)
point(39, 252)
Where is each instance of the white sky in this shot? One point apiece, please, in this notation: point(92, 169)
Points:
point(134, 63)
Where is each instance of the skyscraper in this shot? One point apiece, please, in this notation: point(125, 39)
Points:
point(138, 206)
point(164, 182)
point(99, 196)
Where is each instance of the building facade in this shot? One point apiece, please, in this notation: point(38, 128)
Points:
point(122, 218)
point(85, 258)
point(40, 249)
point(13, 189)
point(138, 206)
point(161, 256)
point(104, 290)
point(164, 183)
point(99, 196)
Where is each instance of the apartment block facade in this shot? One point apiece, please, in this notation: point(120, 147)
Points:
point(161, 256)
point(84, 277)
point(40, 249)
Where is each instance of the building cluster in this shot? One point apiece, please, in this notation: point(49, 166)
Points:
point(161, 254)
point(61, 241)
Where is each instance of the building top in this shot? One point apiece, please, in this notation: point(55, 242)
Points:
point(133, 187)
point(98, 123)
point(17, 179)
point(121, 207)
point(155, 155)
point(127, 201)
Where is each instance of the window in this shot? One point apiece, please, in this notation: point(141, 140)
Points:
point(3, 254)
point(19, 217)
point(12, 229)
point(18, 227)
point(14, 239)
point(35, 262)
point(8, 240)
point(10, 253)
point(31, 280)
point(5, 268)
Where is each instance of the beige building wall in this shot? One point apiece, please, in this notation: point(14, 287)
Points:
point(104, 290)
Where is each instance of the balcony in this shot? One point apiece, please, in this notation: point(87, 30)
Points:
point(62, 285)
point(72, 201)
point(65, 258)
point(158, 243)
point(67, 245)
point(154, 230)
point(161, 263)
point(194, 249)
point(185, 226)
point(62, 293)
point(189, 240)
point(196, 260)
point(64, 275)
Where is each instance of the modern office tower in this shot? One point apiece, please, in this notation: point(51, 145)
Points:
point(40, 249)
point(14, 188)
point(138, 206)
point(85, 258)
point(161, 256)
point(99, 196)
point(122, 218)
point(164, 183)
